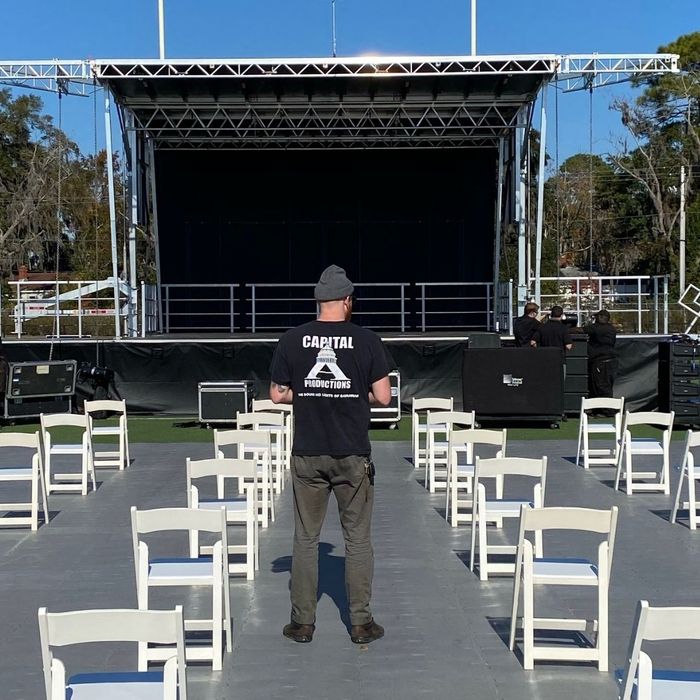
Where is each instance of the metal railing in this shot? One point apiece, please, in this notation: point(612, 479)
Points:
point(377, 307)
point(451, 305)
point(68, 303)
point(639, 302)
point(211, 306)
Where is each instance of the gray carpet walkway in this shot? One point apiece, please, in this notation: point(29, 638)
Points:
point(445, 629)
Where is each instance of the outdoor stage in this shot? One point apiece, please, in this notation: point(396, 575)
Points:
point(159, 375)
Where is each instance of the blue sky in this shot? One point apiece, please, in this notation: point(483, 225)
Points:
point(240, 28)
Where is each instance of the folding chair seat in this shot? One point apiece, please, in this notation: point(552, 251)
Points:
point(641, 681)
point(28, 470)
point(419, 429)
point(270, 406)
point(67, 481)
point(460, 469)
point(89, 626)
point(276, 425)
point(689, 474)
point(109, 458)
point(255, 444)
point(612, 427)
point(186, 571)
point(439, 425)
point(240, 510)
point(632, 447)
point(533, 572)
point(487, 510)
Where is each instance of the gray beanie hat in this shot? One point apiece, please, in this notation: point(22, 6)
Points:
point(333, 284)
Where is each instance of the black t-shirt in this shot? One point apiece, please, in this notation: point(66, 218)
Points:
point(553, 334)
point(331, 366)
point(524, 330)
point(601, 340)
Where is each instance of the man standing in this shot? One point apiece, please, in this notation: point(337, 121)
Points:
point(554, 334)
point(331, 370)
point(601, 356)
point(526, 326)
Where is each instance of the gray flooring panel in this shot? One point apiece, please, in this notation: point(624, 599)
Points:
point(446, 631)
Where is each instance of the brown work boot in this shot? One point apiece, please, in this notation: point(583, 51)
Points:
point(364, 634)
point(299, 633)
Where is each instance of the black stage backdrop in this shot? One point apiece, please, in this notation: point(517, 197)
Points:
point(282, 216)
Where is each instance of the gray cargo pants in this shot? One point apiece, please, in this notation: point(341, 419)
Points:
point(313, 479)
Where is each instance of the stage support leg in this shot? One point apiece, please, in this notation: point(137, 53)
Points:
point(540, 197)
point(133, 223)
point(519, 173)
point(154, 223)
point(112, 211)
point(497, 237)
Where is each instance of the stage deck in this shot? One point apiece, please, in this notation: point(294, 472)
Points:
point(445, 630)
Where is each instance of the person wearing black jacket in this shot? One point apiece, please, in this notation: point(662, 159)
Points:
point(602, 358)
point(526, 326)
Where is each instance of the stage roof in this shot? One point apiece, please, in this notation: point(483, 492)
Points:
point(361, 102)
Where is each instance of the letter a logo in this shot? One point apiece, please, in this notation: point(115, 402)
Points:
point(326, 364)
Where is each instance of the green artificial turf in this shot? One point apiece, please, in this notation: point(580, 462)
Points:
point(186, 429)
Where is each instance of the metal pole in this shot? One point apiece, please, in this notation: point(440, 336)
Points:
point(403, 309)
point(518, 173)
point(232, 293)
point(252, 307)
point(154, 224)
point(112, 211)
point(473, 28)
point(143, 309)
point(639, 305)
point(665, 304)
point(161, 29)
point(422, 306)
point(540, 198)
point(499, 225)
point(681, 252)
point(133, 223)
point(335, 36)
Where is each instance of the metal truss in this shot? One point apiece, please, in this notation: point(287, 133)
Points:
point(68, 77)
point(316, 125)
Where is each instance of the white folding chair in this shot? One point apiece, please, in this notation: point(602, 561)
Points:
point(460, 468)
point(32, 472)
point(186, 571)
point(67, 481)
point(531, 571)
point(242, 444)
point(632, 447)
point(439, 425)
point(89, 626)
point(276, 425)
point(109, 458)
point(586, 428)
point(690, 474)
point(641, 681)
point(286, 408)
point(240, 510)
point(487, 510)
point(419, 410)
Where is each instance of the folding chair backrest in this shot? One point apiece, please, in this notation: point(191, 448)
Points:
point(692, 439)
point(29, 440)
point(479, 436)
point(452, 418)
point(602, 522)
point(653, 418)
point(173, 519)
point(55, 420)
point(511, 466)
point(656, 625)
point(432, 404)
point(220, 467)
point(595, 404)
point(105, 405)
point(249, 438)
point(270, 405)
point(263, 418)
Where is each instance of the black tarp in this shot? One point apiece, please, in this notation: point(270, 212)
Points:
point(162, 377)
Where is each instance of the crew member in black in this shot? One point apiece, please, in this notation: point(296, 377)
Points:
point(526, 326)
point(602, 359)
point(331, 370)
point(554, 334)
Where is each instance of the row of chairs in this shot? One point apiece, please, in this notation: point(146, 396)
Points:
point(627, 446)
point(446, 443)
point(39, 470)
point(234, 487)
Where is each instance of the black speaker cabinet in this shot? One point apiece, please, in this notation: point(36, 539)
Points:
point(219, 402)
point(513, 383)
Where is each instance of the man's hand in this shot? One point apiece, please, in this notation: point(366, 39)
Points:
point(281, 393)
